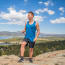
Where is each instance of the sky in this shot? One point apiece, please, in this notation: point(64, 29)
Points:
point(50, 14)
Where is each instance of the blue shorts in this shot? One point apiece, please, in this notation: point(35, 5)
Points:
point(31, 44)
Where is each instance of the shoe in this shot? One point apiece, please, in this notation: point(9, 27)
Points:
point(30, 60)
point(21, 60)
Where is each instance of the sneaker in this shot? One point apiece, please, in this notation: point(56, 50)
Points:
point(21, 60)
point(30, 60)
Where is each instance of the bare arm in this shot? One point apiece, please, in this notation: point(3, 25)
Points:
point(38, 31)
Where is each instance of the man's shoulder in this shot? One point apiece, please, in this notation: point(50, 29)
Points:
point(36, 22)
point(26, 22)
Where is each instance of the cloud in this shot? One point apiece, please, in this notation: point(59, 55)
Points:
point(58, 20)
point(41, 10)
point(40, 2)
point(16, 17)
point(25, 0)
point(62, 10)
point(50, 12)
point(39, 18)
point(47, 3)
point(13, 17)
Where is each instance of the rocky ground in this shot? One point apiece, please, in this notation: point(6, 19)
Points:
point(50, 58)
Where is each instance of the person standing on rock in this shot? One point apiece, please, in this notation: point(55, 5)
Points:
point(30, 36)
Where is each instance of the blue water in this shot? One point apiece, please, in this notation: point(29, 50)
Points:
point(5, 37)
point(5, 44)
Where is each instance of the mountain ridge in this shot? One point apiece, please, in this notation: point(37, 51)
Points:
point(19, 33)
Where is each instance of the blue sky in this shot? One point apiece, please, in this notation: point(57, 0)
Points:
point(49, 13)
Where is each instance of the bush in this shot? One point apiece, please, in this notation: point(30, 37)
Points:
point(38, 49)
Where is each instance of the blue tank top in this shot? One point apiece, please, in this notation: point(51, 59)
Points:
point(30, 31)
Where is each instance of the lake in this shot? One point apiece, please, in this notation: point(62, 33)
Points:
point(5, 44)
point(5, 37)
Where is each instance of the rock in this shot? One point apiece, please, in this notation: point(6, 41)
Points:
point(50, 58)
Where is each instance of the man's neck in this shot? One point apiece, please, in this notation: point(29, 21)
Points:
point(31, 20)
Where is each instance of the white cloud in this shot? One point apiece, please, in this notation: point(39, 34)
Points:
point(22, 11)
point(41, 10)
point(47, 3)
point(58, 20)
point(50, 12)
point(13, 17)
point(62, 10)
point(16, 17)
point(25, 0)
point(40, 2)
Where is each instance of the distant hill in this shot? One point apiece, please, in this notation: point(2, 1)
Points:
point(7, 33)
point(19, 33)
point(51, 35)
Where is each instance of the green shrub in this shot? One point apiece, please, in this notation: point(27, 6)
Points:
point(38, 49)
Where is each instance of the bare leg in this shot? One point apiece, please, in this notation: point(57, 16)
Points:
point(22, 48)
point(30, 52)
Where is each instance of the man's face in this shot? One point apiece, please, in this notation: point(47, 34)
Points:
point(30, 16)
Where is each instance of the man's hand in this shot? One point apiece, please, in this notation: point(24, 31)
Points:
point(35, 39)
point(23, 31)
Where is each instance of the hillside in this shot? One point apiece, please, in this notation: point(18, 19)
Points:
point(50, 58)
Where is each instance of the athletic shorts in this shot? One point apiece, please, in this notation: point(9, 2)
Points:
point(31, 44)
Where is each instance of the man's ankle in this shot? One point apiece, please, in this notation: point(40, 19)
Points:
point(30, 58)
point(22, 57)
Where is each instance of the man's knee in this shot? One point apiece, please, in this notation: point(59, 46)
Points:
point(23, 44)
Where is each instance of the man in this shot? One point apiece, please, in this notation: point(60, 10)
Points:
point(30, 37)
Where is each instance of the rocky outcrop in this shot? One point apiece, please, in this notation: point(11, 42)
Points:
point(50, 58)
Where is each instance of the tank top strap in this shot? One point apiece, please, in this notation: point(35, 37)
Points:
point(35, 23)
point(27, 22)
